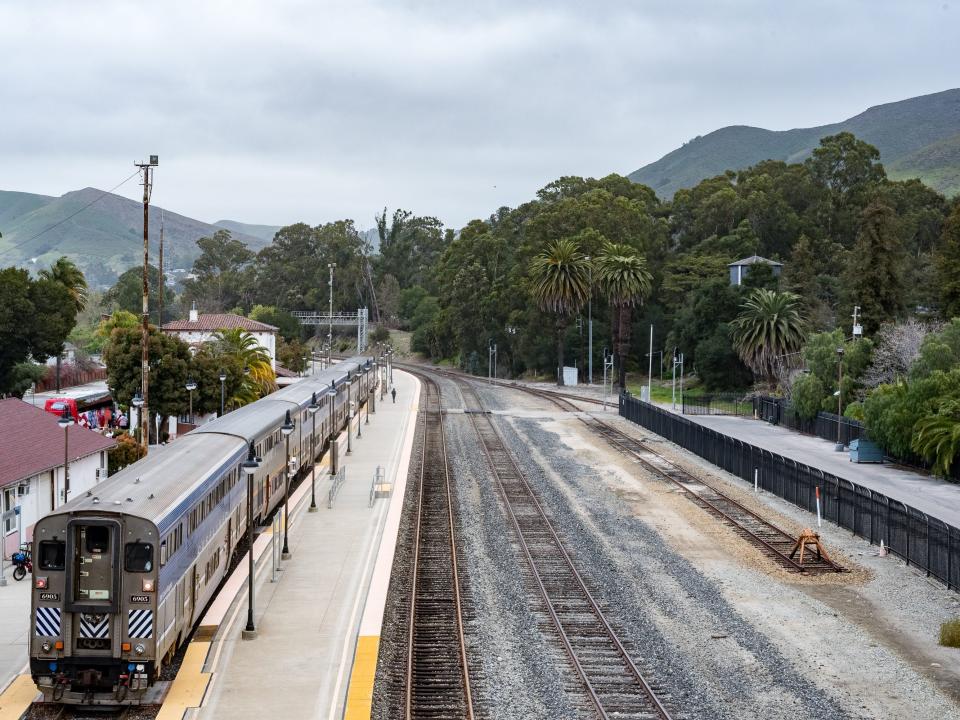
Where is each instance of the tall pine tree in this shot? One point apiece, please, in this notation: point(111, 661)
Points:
point(947, 264)
point(874, 274)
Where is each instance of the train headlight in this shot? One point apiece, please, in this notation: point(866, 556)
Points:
point(148, 585)
point(46, 646)
point(139, 649)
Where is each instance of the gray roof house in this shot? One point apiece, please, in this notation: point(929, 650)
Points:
point(740, 268)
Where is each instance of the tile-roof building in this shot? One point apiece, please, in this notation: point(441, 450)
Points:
point(200, 328)
point(31, 464)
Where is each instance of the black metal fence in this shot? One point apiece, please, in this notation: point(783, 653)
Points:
point(929, 543)
point(718, 404)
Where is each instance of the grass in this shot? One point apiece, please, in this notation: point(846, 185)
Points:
point(663, 389)
point(950, 633)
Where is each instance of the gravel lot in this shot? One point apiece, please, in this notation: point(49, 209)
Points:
point(724, 631)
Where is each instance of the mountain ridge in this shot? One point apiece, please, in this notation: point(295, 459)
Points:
point(899, 129)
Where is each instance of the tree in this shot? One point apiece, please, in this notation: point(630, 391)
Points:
point(291, 353)
point(287, 325)
point(259, 378)
point(897, 347)
point(947, 265)
point(937, 437)
point(623, 278)
point(388, 298)
point(67, 274)
point(873, 275)
point(717, 365)
point(221, 273)
point(36, 316)
point(807, 395)
point(559, 285)
point(170, 363)
point(410, 247)
point(127, 293)
point(769, 328)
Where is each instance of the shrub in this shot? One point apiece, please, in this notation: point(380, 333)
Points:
point(807, 395)
point(381, 334)
point(950, 633)
point(127, 451)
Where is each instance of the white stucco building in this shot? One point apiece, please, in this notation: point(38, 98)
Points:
point(200, 328)
point(31, 466)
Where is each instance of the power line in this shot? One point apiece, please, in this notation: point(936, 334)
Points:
point(68, 217)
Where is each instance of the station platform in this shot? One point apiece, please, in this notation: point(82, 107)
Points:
point(306, 655)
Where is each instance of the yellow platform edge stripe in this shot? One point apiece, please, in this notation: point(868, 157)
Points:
point(360, 692)
point(189, 686)
point(15, 700)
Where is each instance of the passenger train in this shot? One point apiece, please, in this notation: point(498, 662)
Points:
point(123, 573)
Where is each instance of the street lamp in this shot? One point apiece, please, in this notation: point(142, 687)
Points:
point(312, 409)
point(286, 429)
point(330, 267)
point(249, 469)
point(137, 402)
point(191, 386)
point(839, 447)
point(349, 415)
point(370, 394)
point(589, 321)
point(332, 394)
point(65, 421)
point(223, 381)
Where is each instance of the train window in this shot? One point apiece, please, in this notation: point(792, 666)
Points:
point(52, 554)
point(98, 538)
point(163, 553)
point(138, 557)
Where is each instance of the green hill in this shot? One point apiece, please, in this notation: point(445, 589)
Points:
point(919, 137)
point(264, 232)
point(104, 239)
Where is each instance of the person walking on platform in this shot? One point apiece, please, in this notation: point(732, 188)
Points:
point(393, 394)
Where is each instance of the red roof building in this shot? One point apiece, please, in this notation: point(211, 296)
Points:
point(198, 329)
point(31, 463)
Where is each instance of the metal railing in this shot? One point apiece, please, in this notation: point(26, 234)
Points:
point(924, 541)
point(335, 486)
point(379, 476)
point(718, 404)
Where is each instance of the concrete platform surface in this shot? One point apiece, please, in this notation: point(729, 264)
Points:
point(14, 626)
point(299, 664)
point(927, 494)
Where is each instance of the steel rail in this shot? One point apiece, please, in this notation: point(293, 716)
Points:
point(655, 705)
point(433, 424)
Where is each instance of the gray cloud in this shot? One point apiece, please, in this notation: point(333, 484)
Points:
point(279, 111)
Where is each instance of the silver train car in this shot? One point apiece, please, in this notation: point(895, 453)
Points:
point(123, 573)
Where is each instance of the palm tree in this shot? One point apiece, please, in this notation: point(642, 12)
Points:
point(623, 277)
point(561, 286)
point(769, 326)
point(259, 378)
point(65, 272)
point(937, 437)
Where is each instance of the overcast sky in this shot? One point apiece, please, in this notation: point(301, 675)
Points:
point(274, 112)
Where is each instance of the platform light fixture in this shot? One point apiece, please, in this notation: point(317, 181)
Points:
point(312, 411)
point(286, 429)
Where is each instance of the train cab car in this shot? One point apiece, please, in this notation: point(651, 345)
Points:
point(95, 603)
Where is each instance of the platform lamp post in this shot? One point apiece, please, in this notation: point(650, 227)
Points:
point(137, 402)
point(312, 409)
point(332, 394)
point(286, 429)
point(191, 386)
point(370, 398)
point(349, 415)
point(250, 469)
point(223, 383)
point(839, 447)
point(65, 421)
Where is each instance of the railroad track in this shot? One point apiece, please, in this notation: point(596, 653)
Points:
point(613, 682)
point(770, 539)
point(437, 673)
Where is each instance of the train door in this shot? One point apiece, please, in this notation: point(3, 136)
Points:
point(181, 605)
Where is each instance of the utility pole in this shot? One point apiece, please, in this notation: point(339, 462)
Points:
point(331, 267)
point(143, 414)
point(590, 323)
point(857, 327)
point(650, 369)
point(163, 283)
